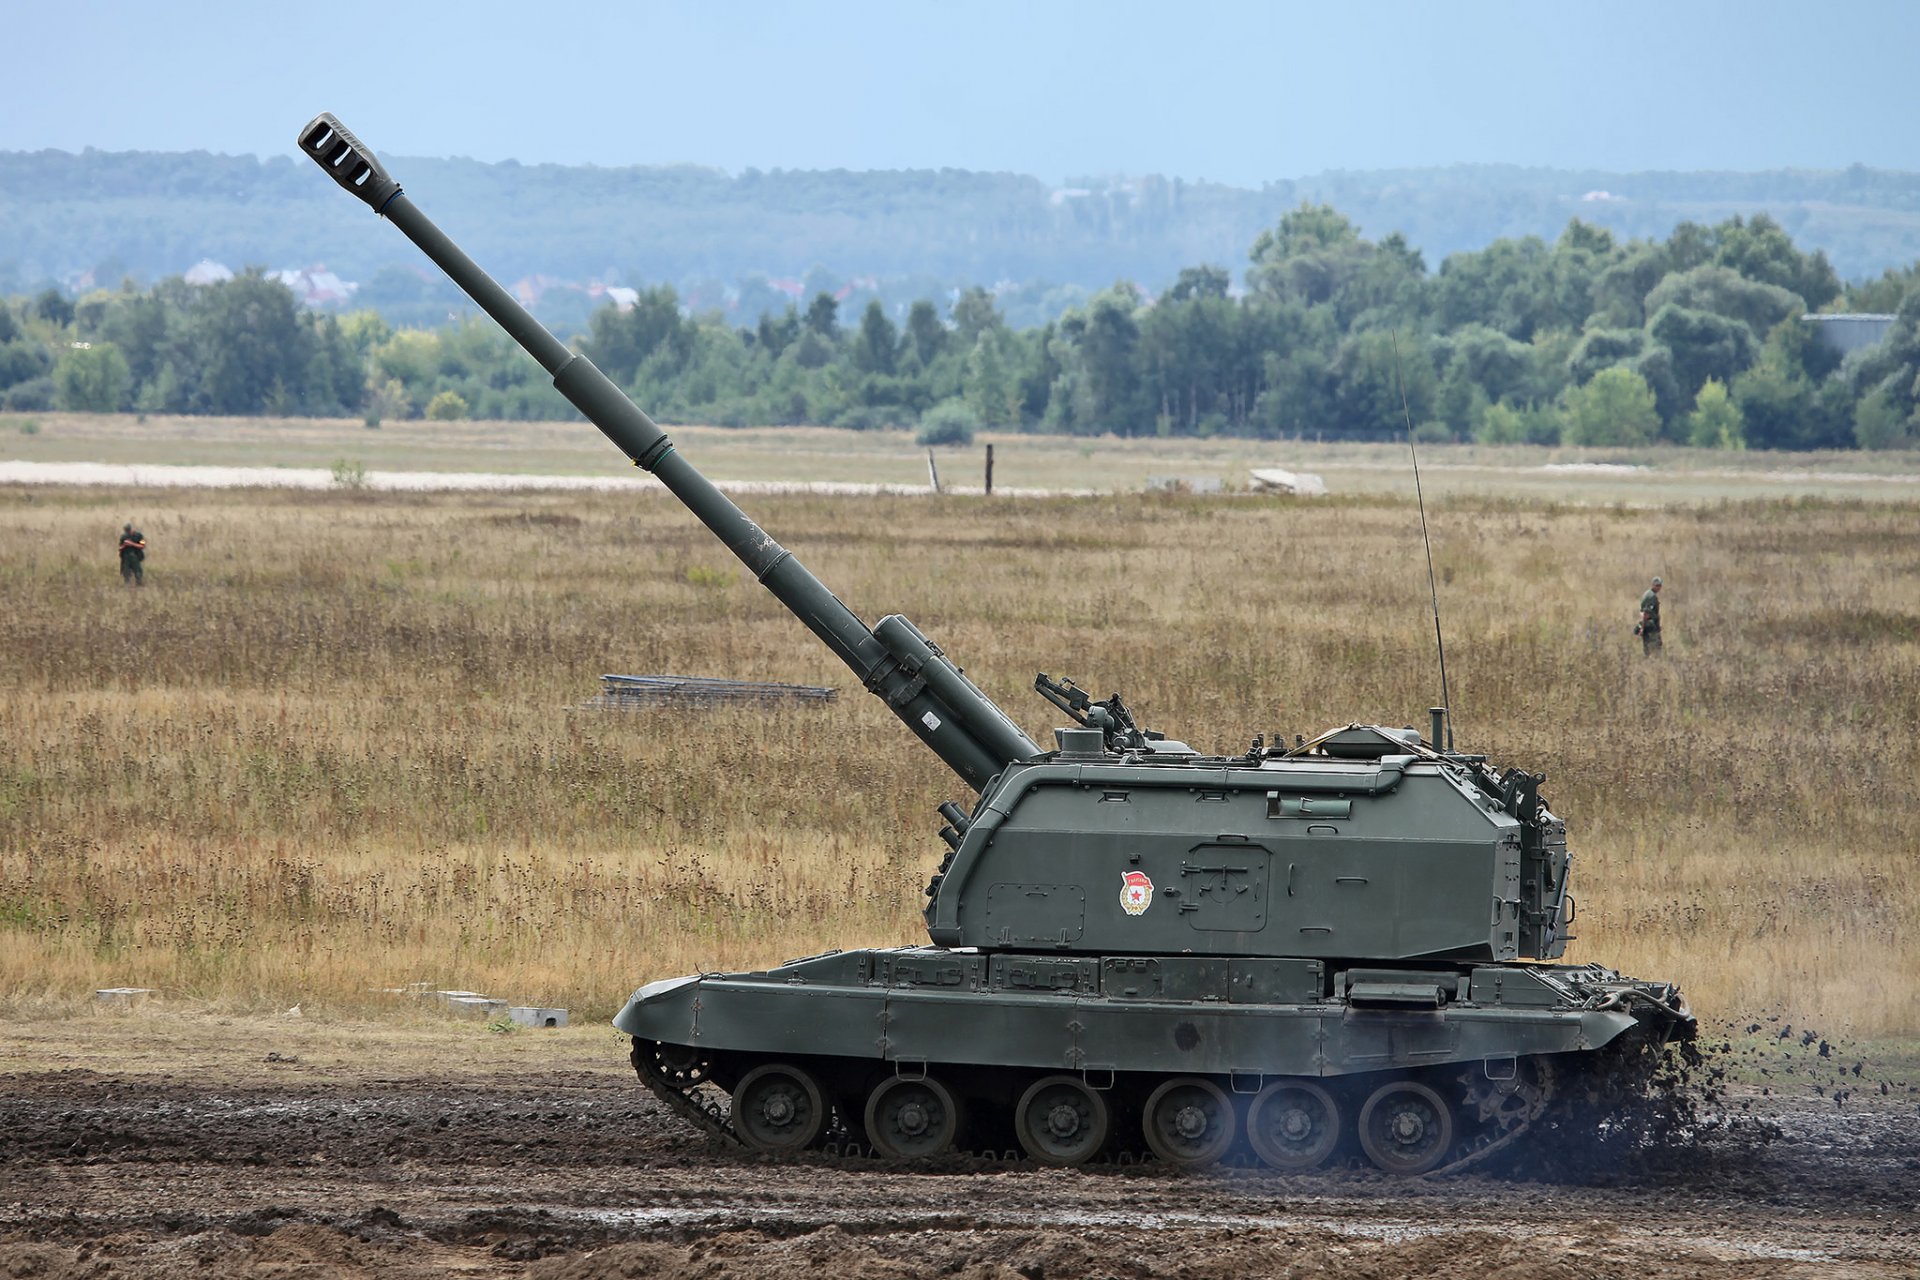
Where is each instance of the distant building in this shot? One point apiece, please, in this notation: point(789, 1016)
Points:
point(207, 271)
point(619, 295)
point(1845, 333)
point(316, 286)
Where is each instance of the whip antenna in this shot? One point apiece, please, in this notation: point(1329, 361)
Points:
point(1433, 590)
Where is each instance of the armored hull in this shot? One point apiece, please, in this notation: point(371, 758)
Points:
point(1185, 985)
point(920, 1050)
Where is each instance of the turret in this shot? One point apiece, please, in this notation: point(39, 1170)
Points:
point(919, 683)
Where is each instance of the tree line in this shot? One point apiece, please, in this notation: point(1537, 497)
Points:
point(733, 241)
point(1696, 338)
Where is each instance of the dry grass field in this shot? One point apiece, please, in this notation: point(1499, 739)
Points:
point(334, 744)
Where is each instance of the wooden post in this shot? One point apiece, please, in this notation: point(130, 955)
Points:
point(933, 471)
point(989, 471)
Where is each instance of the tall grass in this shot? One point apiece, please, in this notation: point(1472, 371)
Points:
point(333, 744)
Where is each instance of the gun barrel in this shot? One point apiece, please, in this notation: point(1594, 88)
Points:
point(920, 685)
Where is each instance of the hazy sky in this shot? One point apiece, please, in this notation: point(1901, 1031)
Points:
point(1231, 91)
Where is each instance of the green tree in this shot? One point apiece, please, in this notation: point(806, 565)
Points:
point(1199, 282)
point(1715, 422)
point(974, 313)
point(1885, 294)
point(248, 346)
point(1703, 345)
point(92, 379)
point(823, 315)
point(52, 306)
point(1725, 292)
point(1507, 286)
point(1369, 379)
point(620, 341)
point(875, 344)
point(925, 334)
point(1308, 257)
point(988, 384)
point(1761, 250)
point(774, 334)
point(1881, 421)
point(1600, 349)
point(1620, 289)
point(1615, 408)
point(21, 360)
point(1495, 363)
point(1099, 386)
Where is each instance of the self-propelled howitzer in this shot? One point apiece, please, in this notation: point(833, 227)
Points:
point(1299, 950)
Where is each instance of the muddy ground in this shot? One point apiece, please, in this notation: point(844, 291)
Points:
point(576, 1172)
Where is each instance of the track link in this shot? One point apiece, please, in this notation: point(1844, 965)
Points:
point(677, 1088)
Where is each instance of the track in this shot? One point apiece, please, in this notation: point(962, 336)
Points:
point(583, 1174)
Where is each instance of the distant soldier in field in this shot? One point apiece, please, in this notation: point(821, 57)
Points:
point(1649, 626)
point(133, 556)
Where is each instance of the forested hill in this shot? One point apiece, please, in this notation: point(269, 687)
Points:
point(755, 241)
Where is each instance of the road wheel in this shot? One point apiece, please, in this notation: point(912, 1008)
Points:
point(1061, 1120)
point(1293, 1124)
point(779, 1107)
point(1406, 1128)
point(907, 1119)
point(1189, 1121)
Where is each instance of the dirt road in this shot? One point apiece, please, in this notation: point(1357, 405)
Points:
point(579, 1173)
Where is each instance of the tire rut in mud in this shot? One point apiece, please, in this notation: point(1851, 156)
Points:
point(547, 1170)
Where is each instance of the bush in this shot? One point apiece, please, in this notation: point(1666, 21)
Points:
point(349, 473)
point(1433, 433)
point(1880, 420)
point(950, 422)
point(448, 406)
point(1504, 423)
point(35, 395)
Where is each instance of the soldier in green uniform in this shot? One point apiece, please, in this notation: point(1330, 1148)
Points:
point(133, 556)
point(1649, 628)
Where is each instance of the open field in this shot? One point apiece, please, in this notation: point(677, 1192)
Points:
point(330, 746)
point(825, 456)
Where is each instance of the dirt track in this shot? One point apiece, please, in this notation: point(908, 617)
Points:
point(580, 1173)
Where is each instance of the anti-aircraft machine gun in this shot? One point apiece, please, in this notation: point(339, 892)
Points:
point(1308, 950)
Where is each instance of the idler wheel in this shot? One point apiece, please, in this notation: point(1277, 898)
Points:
point(1062, 1120)
point(779, 1107)
point(679, 1065)
point(1406, 1128)
point(1189, 1121)
point(1293, 1124)
point(908, 1119)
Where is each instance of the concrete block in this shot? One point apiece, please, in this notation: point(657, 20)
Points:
point(535, 1016)
point(474, 1006)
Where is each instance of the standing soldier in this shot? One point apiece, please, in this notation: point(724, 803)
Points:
point(1649, 628)
point(133, 555)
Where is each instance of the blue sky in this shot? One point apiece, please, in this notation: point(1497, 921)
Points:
point(1231, 91)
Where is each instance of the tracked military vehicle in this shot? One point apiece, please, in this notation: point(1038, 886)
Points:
point(1296, 952)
